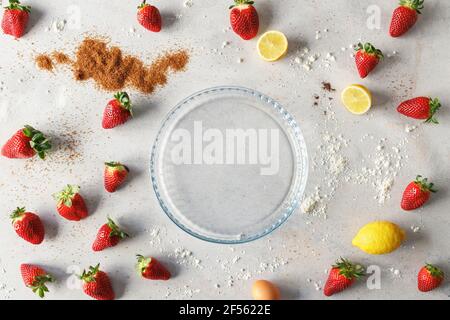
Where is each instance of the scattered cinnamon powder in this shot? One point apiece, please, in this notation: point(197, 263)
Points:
point(44, 62)
point(61, 58)
point(112, 70)
point(327, 86)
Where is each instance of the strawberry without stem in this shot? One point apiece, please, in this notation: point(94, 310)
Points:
point(417, 193)
point(28, 226)
point(367, 58)
point(421, 108)
point(429, 278)
point(152, 269)
point(342, 275)
point(109, 235)
point(71, 204)
point(118, 111)
point(15, 18)
point(244, 19)
point(114, 175)
point(405, 17)
point(35, 278)
point(96, 284)
point(149, 17)
point(26, 143)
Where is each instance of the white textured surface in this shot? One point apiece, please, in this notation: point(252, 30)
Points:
point(294, 256)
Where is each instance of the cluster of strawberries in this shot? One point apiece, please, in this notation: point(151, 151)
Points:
point(344, 273)
point(367, 58)
point(29, 142)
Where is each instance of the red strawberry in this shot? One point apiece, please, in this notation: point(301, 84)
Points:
point(28, 226)
point(342, 275)
point(422, 108)
point(26, 143)
point(367, 58)
point(244, 19)
point(115, 175)
point(152, 269)
point(96, 284)
point(109, 235)
point(429, 278)
point(71, 204)
point(149, 17)
point(118, 111)
point(35, 278)
point(405, 17)
point(15, 18)
point(416, 194)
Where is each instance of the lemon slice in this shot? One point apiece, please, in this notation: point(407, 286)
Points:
point(357, 99)
point(272, 45)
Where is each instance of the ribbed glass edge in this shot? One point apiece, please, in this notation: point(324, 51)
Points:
point(301, 158)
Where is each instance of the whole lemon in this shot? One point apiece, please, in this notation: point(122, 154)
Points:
point(379, 237)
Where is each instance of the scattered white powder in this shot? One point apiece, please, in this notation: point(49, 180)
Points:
point(58, 25)
point(186, 257)
point(310, 203)
point(415, 229)
point(395, 272)
point(188, 3)
point(410, 128)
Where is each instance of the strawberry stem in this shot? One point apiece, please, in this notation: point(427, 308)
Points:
point(115, 230)
point(435, 105)
point(124, 100)
point(66, 195)
point(38, 141)
point(143, 4)
point(241, 2)
point(117, 165)
point(142, 263)
point(349, 269)
point(369, 49)
point(424, 184)
point(434, 271)
point(90, 275)
point(39, 286)
point(415, 5)
point(15, 5)
point(17, 214)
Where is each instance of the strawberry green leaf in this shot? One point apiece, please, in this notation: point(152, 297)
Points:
point(434, 271)
point(349, 269)
point(89, 276)
point(38, 141)
point(415, 5)
point(17, 214)
point(435, 105)
point(124, 100)
point(115, 230)
point(424, 184)
point(15, 5)
point(369, 49)
point(66, 195)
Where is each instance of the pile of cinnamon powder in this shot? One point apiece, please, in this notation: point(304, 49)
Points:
point(112, 70)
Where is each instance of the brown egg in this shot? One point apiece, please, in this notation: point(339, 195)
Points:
point(265, 290)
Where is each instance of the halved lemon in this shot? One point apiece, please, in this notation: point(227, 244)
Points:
point(272, 45)
point(357, 99)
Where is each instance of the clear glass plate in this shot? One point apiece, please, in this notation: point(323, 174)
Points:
point(229, 165)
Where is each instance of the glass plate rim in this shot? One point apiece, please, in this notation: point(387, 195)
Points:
point(299, 139)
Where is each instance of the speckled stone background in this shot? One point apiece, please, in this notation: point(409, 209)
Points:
point(297, 255)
